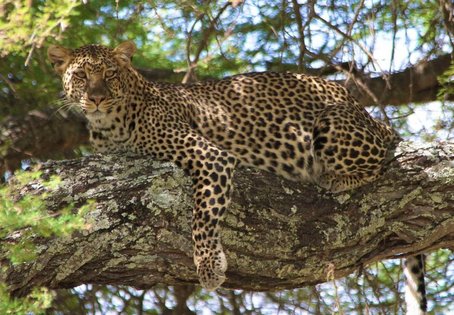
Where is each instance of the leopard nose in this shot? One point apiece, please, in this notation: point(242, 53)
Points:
point(97, 99)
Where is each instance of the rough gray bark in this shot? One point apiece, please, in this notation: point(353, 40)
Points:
point(277, 234)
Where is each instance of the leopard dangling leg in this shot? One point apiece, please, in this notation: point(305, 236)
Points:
point(211, 170)
point(415, 289)
point(212, 190)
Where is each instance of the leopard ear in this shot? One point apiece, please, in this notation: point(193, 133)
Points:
point(60, 57)
point(124, 52)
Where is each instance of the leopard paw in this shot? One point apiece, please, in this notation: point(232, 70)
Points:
point(334, 184)
point(211, 270)
point(326, 181)
point(340, 183)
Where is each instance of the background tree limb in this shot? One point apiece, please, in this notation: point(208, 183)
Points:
point(415, 84)
point(277, 234)
point(46, 133)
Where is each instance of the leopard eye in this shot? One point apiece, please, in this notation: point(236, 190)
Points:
point(109, 73)
point(80, 74)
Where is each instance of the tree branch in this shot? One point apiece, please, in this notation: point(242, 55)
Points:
point(415, 84)
point(189, 77)
point(40, 134)
point(447, 9)
point(277, 234)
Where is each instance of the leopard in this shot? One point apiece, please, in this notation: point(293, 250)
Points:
point(300, 127)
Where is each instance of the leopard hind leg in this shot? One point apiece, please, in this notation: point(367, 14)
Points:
point(347, 147)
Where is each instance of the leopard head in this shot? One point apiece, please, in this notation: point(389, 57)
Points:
point(94, 76)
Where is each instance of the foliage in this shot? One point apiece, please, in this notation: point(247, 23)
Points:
point(28, 218)
point(35, 303)
point(446, 81)
point(25, 219)
point(37, 22)
point(24, 26)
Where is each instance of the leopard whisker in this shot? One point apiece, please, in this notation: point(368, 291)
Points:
point(64, 105)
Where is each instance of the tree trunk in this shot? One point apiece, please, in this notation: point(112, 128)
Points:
point(277, 234)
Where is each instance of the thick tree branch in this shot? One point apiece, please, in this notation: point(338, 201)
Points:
point(416, 84)
point(277, 234)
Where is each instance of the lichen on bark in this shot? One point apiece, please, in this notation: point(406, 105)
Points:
point(277, 234)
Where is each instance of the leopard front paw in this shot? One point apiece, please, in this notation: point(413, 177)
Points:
point(333, 183)
point(325, 181)
point(211, 270)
